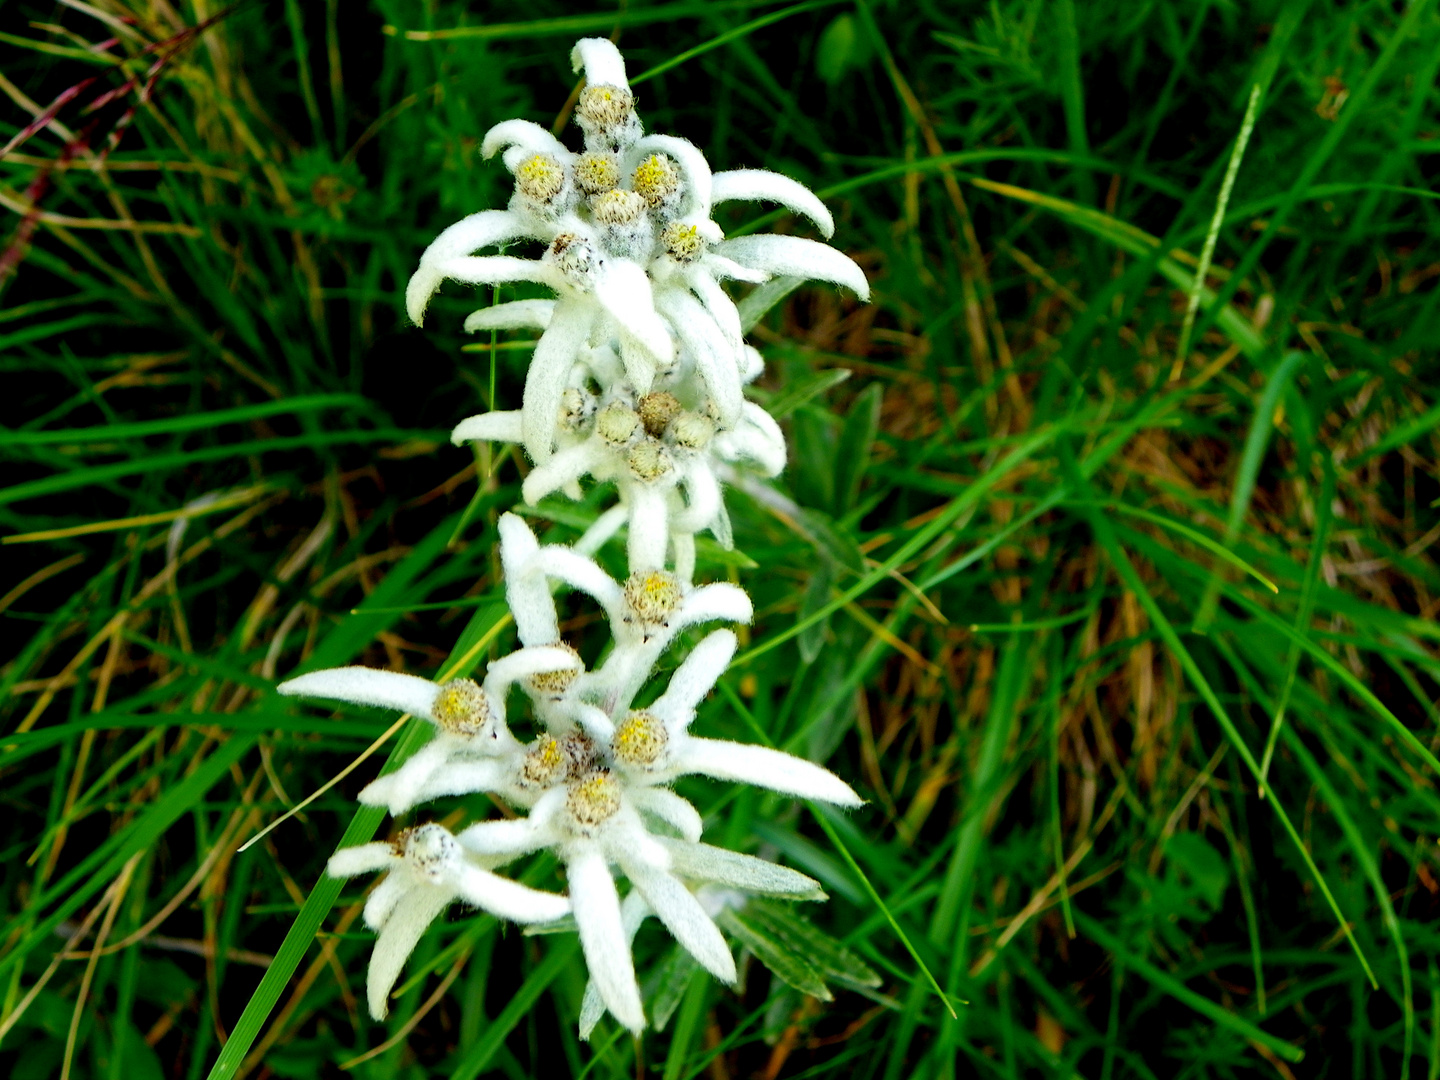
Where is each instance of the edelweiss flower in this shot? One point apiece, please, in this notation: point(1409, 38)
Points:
point(469, 717)
point(653, 745)
point(722, 873)
point(591, 823)
point(428, 872)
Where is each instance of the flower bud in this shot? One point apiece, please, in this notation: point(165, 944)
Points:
point(625, 228)
point(575, 257)
point(577, 409)
point(606, 114)
point(617, 423)
point(683, 242)
point(658, 180)
point(649, 460)
point(657, 410)
point(692, 430)
point(652, 595)
point(428, 849)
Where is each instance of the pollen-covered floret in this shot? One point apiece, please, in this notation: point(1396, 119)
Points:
point(462, 708)
point(652, 595)
point(597, 172)
point(593, 800)
point(657, 409)
point(649, 460)
point(553, 684)
point(683, 242)
point(639, 739)
point(606, 114)
point(657, 179)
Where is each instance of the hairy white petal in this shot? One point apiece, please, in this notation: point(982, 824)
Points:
point(757, 185)
point(600, 60)
point(519, 835)
point(752, 364)
point(715, 360)
point(602, 936)
point(367, 686)
point(380, 904)
point(549, 374)
point(718, 267)
point(623, 289)
point(701, 862)
point(410, 919)
point(523, 663)
point(565, 467)
point(497, 270)
point(527, 592)
point(466, 235)
point(691, 161)
point(606, 526)
point(756, 438)
point(683, 916)
point(507, 899)
point(696, 677)
point(720, 600)
point(718, 303)
point(515, 315)
point(797, 256)
point(669, 808)
point(363, 859)
point(525, 133)
point(763, 767)
point(464, 778)
point(488, 427)
point(649, 526)
point(400, 790)
point(683, 544)
point(584, 574)
point(702, 491)
point(633, 912)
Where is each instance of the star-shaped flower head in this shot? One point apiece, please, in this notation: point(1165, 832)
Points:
point(591, 823)
point(428, 871)
point(654, 745)
point(710, 873)
point(469, 717)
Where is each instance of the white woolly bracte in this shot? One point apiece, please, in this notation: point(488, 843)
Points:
point(469, 234)
point(549, 374)
point(701, 862)
point(500, 270)
point(566, 466)
point(602, 935)
point(713, 356)
point(522, 664)
point(605, 526)
point(514, 315)
point(408, 921)
point(367, 686)
point(695, 678)
point(718, 303)
point(702, 495)
point(682, 545)
point(688, 157)
point(745, 763)
point(752, 364)
point(762, 185)
point(633, 912)
point(398, 792)
point(529, 136)
point(600, 61)
point(624, 290)
point(649, 535)
point(361, 859)
point(584, 574)
point(664, 804)
point(796, 256)
point(676, 907)
point(527, 592)
point(757, 438)
point(489, 427)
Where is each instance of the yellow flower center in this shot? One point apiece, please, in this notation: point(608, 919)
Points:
point(593, 800)
point(461, 708)
point(653, 595)
point(656, 178)
point(683, 242)
point(596, 172)
point(639, 739)
point(540, 177)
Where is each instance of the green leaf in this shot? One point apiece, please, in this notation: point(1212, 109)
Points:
point(788, 964)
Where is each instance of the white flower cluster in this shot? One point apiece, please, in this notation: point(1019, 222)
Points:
point(637, 379)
